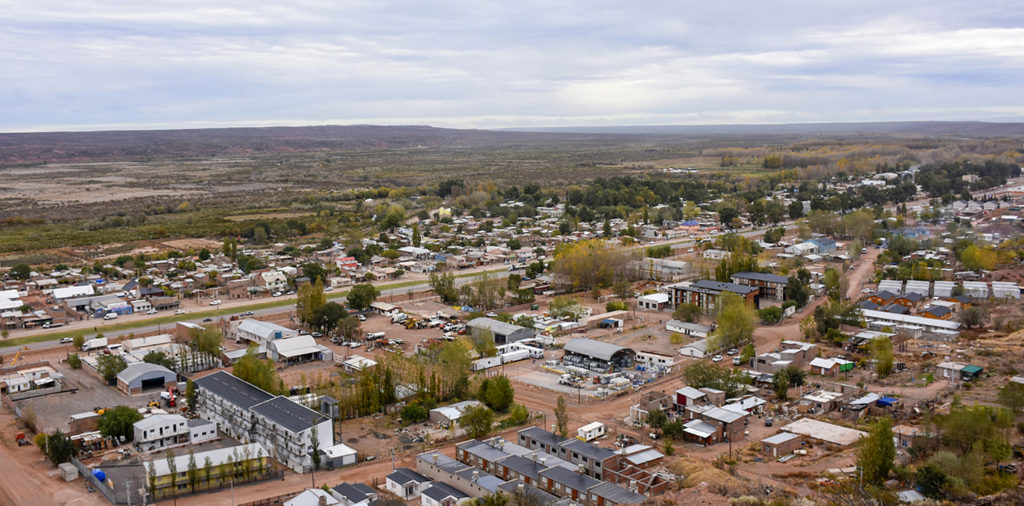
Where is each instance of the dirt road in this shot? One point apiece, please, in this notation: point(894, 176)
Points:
point(766, 338)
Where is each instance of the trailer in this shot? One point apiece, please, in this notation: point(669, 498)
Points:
point(590, 431)
point(95, 344)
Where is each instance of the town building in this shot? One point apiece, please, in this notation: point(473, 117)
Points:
point(503, 332)
point(406, 483)
point(772, 286)
point(250, 414)
point(156, 432)
point(706, 293)
point(688, 329)
point(781, 444)
point(261, 332)
point(225, 464)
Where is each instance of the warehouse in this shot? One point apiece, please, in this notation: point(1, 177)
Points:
point(597, 356)
point(144, 376)
point(503, 332)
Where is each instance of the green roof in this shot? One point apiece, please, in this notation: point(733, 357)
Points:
point(971, 369)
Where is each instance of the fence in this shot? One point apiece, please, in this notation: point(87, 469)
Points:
point(96, 483)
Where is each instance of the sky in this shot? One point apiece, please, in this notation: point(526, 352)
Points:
point(126, 64)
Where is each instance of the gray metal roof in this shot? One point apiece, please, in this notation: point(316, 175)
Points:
point(571, 479)
point(594, 349)
point(530, 490)
point(404, 475)
point(538, 434)
point(239, 392)
point(719, 286)
point(762, 276)
point(439, 491)
point(354, 492)
point(584, 448)
point(495, 326)
point(618, 495)
point(144, 370)
point(289, 414)
point(483, 450)
point(484, 480)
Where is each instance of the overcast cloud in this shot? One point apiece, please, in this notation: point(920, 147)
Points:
point(92, 64)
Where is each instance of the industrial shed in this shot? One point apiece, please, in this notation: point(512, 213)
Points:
point(142, 376)
point(597, 355)
point(504, 333)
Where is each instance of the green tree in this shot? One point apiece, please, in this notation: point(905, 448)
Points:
point(361, 296)
point(260, 373)
point(770, 315)
point(192, 472)
point(117, 422)
point(416, 235)
point(881, 351)
point(159, 358)
point(191, 396)
point(875, 453)
point(444, 286)
point(932, 481)
point(172, 470)
point(656, 419)
point(797, 291)
point(207, 339)
point(832, 284)
point(74, 361)
point(687, 312)
point(497, 393)
point(109, 366)
point(327, 316)
point(707, 374)
point(314, 443)
point(204, 254)
point(588, 264)
point(1011, 395)
point(562, 416)
point(20, 271)
point(736, 322)
point(972, 317)
point(748, 353)
point(477, 420)
point(59, 448)
point(780, 384)
point(315, 272)
point(413, 412)
point(310, 297)
point(518, 415)
point(796, 210)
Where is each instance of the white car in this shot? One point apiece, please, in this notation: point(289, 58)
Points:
point(151, 311)
point(276, 294)
point(215, 302)
point(180, 311)
point(716, 358)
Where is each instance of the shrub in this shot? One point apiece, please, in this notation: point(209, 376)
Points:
point(616, 305)
point(74, 361)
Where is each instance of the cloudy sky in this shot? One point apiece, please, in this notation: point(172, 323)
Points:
point(98, 64)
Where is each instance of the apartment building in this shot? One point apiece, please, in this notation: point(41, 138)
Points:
point(249, 414)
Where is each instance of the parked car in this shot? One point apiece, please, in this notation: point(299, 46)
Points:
point(110, 316)
point(276, 294)
point(207, 319)
point(180, 311)
point(328, 288)
point(151, 311)
point(290, 292)
point(362, 317)
point(732, 351)
point(215, 302)
point(716, 358)
point(736, 361)
point(317, 334)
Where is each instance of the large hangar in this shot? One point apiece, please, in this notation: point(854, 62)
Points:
point(142, 376)
point(597, 356)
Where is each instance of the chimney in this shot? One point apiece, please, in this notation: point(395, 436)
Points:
point(580, 469)
point(542, 460)
point(632, 486)
point(533, 456)
point(476, 475)
point(435, 457)
point(322, 500)
point(521, 487)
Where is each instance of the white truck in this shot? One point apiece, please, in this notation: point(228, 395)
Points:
point(94, 344)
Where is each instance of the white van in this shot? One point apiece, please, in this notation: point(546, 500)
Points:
point(110, 316)
point(115, 348)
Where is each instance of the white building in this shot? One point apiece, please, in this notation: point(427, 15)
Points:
point(297, 349)
point(201, 431)
point(250, 414)
point(261, 332)
point(160, 431)
point(688, 329)
point(275, 281)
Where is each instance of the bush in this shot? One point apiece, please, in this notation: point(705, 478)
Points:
point(40, 440)
point(74, 361)
point(413, 413)
point(616, 305)
point(770, 315)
